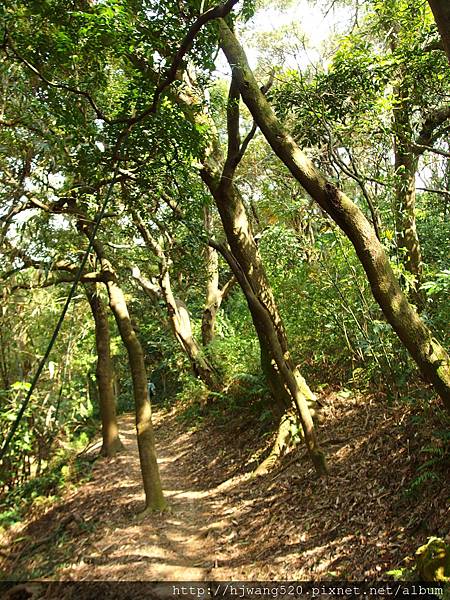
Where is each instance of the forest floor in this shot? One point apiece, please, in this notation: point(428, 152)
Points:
point(225, 524)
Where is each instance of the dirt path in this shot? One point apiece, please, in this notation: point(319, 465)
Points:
point(223, 524)
point(182, 544)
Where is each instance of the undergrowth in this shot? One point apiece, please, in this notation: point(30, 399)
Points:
point(246, 393)
point(65, 469)
point(429, 424)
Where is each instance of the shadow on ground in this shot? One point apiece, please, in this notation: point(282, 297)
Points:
point(223, 524)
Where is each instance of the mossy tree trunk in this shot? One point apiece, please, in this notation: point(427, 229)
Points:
point(243, 257)
point(104, 373)
point(406, 164)
point(441, 12)
point(431, 358)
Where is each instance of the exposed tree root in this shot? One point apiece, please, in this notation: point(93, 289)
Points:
point(282, 443)
point(289, 423)
point(112, 449)
point(151, 511)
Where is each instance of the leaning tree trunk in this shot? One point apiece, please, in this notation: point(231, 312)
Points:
point(284, 434)
point(248, 269)
point(441, 12)
point(178, 314)
point(431, 358)
point(246, 264)
point(154, 497)
point(104, 374)
point(181, 326)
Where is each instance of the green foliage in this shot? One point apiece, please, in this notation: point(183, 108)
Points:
point(115, 53)
point(60, 409)
point(436, 463)
point(246, 393)
point(331, 318)
point(441, 284)
point(63, 469)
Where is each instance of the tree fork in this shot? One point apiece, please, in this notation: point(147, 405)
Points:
point(430, 357)
point(246, 264)
point(177, 312)
point(281, 363)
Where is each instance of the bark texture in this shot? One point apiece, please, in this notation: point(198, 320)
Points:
point(214, 294)
point(406, 164)
point(284, 434)
point(431, 358)
point(213, 298)
point(154, 497)
point(286, 383)
point(104, 374)
point(441, 12)
point(178, 314)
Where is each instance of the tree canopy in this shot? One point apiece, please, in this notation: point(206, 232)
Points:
point(179, 227)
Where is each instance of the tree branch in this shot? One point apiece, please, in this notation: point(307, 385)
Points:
point(430, 124)
point(234, 139)
point(152, 289)
point(227, 287)
point(216, 12)
point(61, 86)
point(434, 191)
point(421, 148)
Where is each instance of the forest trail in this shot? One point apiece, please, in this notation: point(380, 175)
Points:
point(224, 524)
point(109, 542)
point(181, 544)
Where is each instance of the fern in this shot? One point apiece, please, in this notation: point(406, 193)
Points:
point(437, 454)
point(436, 450)
point(419, 481)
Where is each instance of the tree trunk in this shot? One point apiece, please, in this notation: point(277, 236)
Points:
point(181, 326)
point(441, 12)
point(281, 444)
point(104, 374)
point(286, 376)
point(285, 382)
point(280, 394)
point(406, 163)
point(154, 498)
point(177, 311)
point(245, 261)
point(430, 356)
point(213, 294)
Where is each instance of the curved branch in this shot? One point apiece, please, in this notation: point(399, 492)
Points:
point(216, 12)
point(427, 134)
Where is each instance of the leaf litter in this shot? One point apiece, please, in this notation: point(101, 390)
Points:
point(224, 524)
